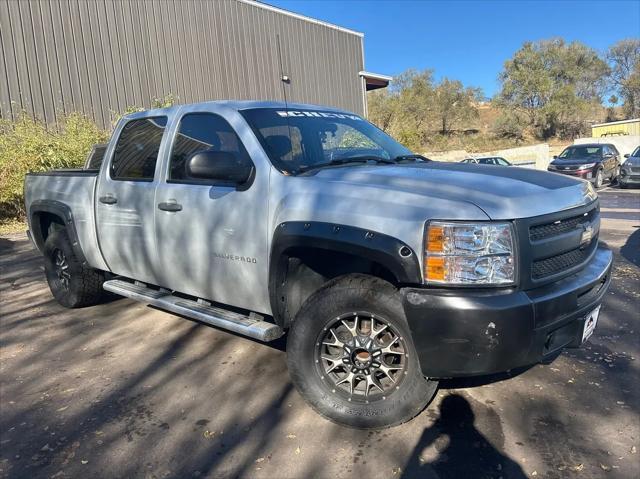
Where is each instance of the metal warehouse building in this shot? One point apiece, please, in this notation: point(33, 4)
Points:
point(102, 56)
point(616, 128)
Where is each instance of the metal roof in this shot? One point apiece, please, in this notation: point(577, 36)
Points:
point(282, 11)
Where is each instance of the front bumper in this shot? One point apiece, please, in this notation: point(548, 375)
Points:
point(582, 174)
point(461, 332)
point(628, 178)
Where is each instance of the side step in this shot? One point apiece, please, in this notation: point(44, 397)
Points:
point(253, 325)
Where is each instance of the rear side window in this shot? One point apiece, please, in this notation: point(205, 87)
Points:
point(95, 157)
point(136, 151)
point(201, 132)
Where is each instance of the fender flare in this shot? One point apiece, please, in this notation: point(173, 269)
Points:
point(62, 211)
point(391, 253)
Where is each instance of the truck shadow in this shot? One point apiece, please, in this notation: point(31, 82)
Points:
point(453, 447)
point(631, 248)
point(475, 381)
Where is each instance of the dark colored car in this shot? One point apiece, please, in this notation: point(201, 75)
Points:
point(490, 160)
point(630, 170)
point(594, 162)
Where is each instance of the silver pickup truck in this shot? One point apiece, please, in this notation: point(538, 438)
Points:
point(387, 271)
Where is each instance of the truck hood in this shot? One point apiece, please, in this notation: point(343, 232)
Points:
point(501, 192)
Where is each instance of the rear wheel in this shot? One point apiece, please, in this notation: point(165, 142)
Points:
point(615, 176)
point(599, 179)
point(72, 284)
point(351, 356)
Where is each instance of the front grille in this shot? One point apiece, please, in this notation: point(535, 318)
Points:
point(556, 264)
point(552, 246)
point(548, 230)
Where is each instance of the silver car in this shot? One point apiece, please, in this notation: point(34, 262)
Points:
point(630, 170)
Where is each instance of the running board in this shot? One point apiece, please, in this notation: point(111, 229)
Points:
point(253, 325)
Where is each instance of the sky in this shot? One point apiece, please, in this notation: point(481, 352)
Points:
point(468, 40)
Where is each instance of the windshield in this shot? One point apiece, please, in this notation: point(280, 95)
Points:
point(298, 140)
point(581, 152)
point(636, 152)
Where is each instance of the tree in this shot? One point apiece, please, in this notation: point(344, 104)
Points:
point(381, 107)
point(624, 62)
point(555, 85)
point(510, 125)
point(454, 103)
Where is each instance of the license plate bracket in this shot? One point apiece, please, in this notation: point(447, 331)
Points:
point(590, 322)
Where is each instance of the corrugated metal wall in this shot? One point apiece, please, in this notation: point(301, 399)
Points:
point(629, 127)
point(101, 56)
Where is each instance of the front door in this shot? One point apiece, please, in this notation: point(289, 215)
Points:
point(212, 236)
point(125, 205)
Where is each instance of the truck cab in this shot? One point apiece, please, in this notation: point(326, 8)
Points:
point(387, 271)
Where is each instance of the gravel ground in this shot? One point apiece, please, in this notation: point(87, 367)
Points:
point(123, 390)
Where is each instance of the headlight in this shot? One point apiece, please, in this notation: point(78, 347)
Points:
point(469, 253)
point(586, 166)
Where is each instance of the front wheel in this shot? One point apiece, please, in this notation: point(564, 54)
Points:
point(599, 179)
point(351, 357)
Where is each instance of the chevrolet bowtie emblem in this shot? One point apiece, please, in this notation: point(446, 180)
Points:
point(587, 235)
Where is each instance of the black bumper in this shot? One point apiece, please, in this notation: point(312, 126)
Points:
point(461, 332)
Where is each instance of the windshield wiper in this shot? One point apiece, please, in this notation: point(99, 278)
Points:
point(346, 161)
point(412, 157)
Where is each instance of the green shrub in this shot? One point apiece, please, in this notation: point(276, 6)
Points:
point(29, 145)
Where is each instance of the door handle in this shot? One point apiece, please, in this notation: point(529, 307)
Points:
point(108, 199)
point(170, 206)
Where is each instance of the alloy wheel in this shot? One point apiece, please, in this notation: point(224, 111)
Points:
point(361, 357)
point(61, 268)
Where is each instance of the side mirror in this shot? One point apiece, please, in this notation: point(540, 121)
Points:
point(627, 155)
point(555, 157)
point(220, 166)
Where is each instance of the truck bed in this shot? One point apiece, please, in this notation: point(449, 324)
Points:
point(72, 190)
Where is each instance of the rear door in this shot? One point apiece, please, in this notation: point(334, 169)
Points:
point(609, 160)
point(212, 236)
point(125, 204)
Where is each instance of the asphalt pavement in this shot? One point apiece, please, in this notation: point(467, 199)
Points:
point(123, 390)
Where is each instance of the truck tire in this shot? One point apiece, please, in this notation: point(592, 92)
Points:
point(350, 355)
point(72, 284)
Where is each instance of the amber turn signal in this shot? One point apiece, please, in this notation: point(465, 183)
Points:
point(435, 270)
point(435, 239)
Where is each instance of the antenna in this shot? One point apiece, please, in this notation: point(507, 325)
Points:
point(285, 81)
point(283, 78)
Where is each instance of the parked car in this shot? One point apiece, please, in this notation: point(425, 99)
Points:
point(490, 160)
point(594, 162)
point(387, 270)
point(630, 170)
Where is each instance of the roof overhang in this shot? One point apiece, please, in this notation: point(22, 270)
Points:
point(621, 122)
point(266, 6)
point(374, 81)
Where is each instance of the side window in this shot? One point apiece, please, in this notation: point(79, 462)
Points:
point(201, 132)
point(136, 151)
